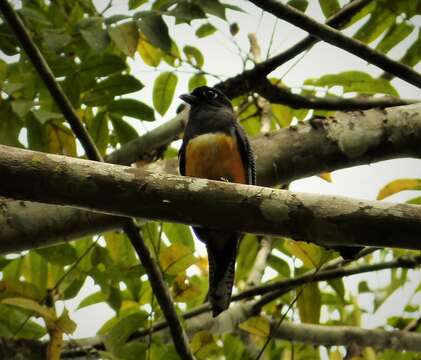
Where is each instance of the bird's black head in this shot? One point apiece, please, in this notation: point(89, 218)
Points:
point(205, 95)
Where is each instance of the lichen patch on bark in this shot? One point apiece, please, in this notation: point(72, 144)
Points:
point(355, 136)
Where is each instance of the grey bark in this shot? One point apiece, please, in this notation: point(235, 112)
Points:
point(345, 140)
point(126, 191)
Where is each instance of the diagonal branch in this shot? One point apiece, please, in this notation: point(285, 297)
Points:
point(308, 149)
point(278, 288)
point(155, 276)
point(118, 190)
point(336, 38)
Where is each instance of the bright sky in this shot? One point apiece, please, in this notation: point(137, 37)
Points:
point(221, 57)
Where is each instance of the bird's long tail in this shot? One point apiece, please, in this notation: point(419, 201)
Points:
point(222, 251)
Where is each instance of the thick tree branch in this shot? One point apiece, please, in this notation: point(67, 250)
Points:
point(347, 335)
point(152, 269)
point(348, 139)
point(277, 288)
point(336, 38)
point(118, 190)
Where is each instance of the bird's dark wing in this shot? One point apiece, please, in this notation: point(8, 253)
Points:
point(246, 153)
point(182, 158)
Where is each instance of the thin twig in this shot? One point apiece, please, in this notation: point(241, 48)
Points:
point(276, 288)
point(336, 38)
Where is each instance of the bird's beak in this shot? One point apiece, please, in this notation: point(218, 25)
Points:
point(188, 98)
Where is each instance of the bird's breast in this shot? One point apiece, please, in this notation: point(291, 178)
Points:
point(215, 156)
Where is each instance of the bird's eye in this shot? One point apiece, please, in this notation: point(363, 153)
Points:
point(211, 94)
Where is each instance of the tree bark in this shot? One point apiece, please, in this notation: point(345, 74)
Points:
point(126, 191)
point(345, 140)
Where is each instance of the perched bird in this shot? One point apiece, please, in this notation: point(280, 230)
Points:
point(216, 147)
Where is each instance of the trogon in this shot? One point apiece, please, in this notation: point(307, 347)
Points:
point(216, 147)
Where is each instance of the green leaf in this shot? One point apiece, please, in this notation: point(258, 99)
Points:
point(329, 7)
point(150, 54)
point(397, 186)
point(133, 4)
point(117, 336)
point(194, 56)
point(355, 81)
point(13, 319)
point(173, 58)
point(60, 139)
point(31, 305)
point(66, 324)
point(8, 42)
point(234, 348)
point(309, 303)
point(63, 254)
point(213, 7)
point(299, 4)
point(12, 288)
point(196, 81)
point(126, 37)
point(282, 114)
point(186, 12)
point(35, 270)
point(163, 91)
point(246, 255)
point(175, 259)
point(310, 254)
point(114, 85)
point(156, 30)
point(98, 128)
point(21, 107)
point(380, 20)
point(179, 234)
point(44, 116)
point(92, 299)
point(395, 34)
point(205, 30)
point(10, 125)
point(93, 33)
point(256, 325)
point(415, 201)
point(203, 345)
point(123, 130)
point(99, 65)
point(115, 19)
point(120, 249)
point(54, 39)
point(132, 108)
point(279, 265)
point(413, 55)
point(338, 286)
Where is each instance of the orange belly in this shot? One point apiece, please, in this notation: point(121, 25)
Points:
point(215, 157)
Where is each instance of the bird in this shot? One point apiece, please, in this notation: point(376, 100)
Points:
point(216, 147)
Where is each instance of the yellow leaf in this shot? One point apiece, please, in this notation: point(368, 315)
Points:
point(60, 140)
point(175, 259)
point(310, 254)
point(150, 54)
point(203, 345)
point(327, 176)
point(28, 304)
point(399, 185)
point(203, 265)
point(65, 324)
point(309, 304)
point(256, 325)
point(335, 355)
